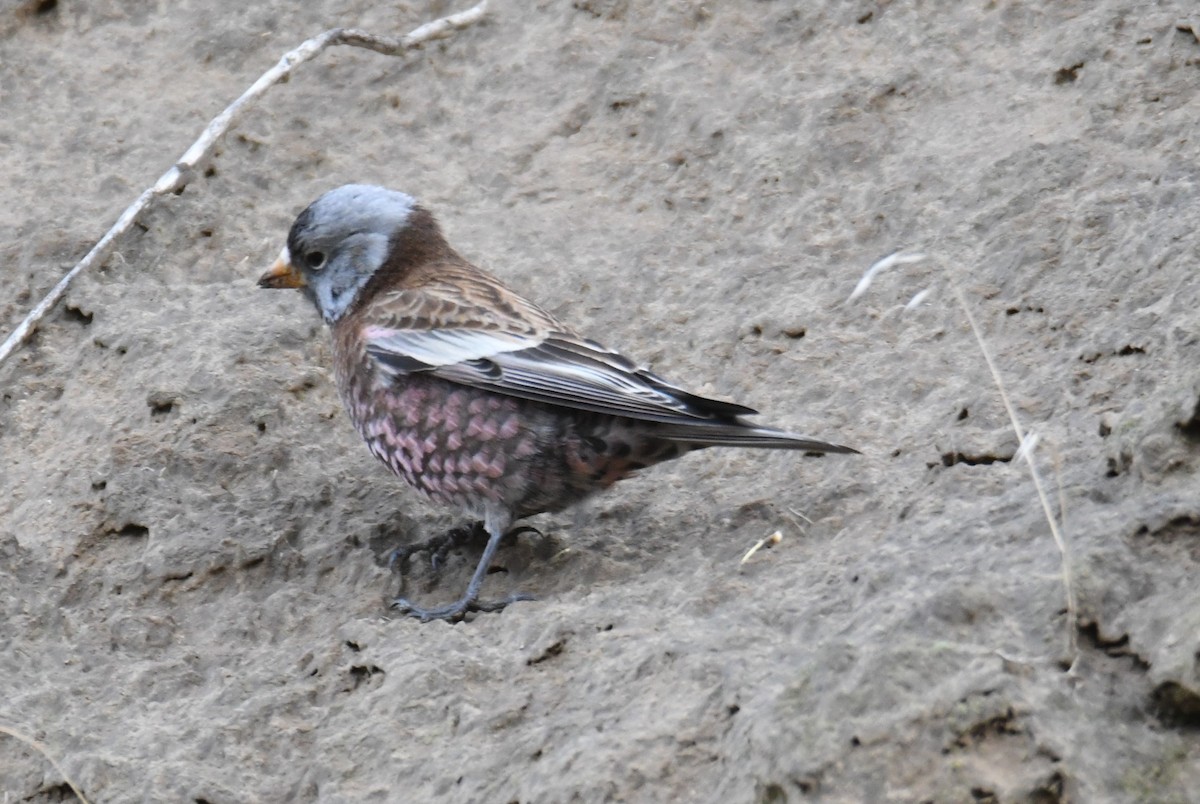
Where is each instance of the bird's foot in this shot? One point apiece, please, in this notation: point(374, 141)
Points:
point(455, 611)
point(438, 547)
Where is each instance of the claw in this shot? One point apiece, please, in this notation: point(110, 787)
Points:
point(400, 554)
point(520, 529)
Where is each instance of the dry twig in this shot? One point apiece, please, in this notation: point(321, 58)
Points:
point(179, 174)
point(1027, 442)
point(44, 751)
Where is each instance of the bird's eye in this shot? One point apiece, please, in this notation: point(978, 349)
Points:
point(315, 260)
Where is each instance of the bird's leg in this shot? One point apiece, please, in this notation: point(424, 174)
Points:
point(470, 600)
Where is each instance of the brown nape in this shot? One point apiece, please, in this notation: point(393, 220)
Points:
point(419, 243)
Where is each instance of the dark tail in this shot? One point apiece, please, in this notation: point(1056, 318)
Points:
point(739, 434)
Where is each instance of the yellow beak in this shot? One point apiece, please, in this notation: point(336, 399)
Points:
point(282, 274)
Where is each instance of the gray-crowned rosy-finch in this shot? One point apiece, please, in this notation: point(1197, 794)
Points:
point(476, 397)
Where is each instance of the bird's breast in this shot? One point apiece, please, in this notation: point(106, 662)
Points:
point(458, 445)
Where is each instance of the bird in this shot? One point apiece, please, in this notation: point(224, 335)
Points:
point(477, 397)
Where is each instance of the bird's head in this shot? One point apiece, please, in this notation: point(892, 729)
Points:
point(338, 243)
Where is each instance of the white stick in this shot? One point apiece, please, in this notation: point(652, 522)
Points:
point(890, 261)
point(179, 174)
point(1025, 450)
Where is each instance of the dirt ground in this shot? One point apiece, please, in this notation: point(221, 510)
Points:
point(193, 539)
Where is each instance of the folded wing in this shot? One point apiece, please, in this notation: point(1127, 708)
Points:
point(552, 367)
